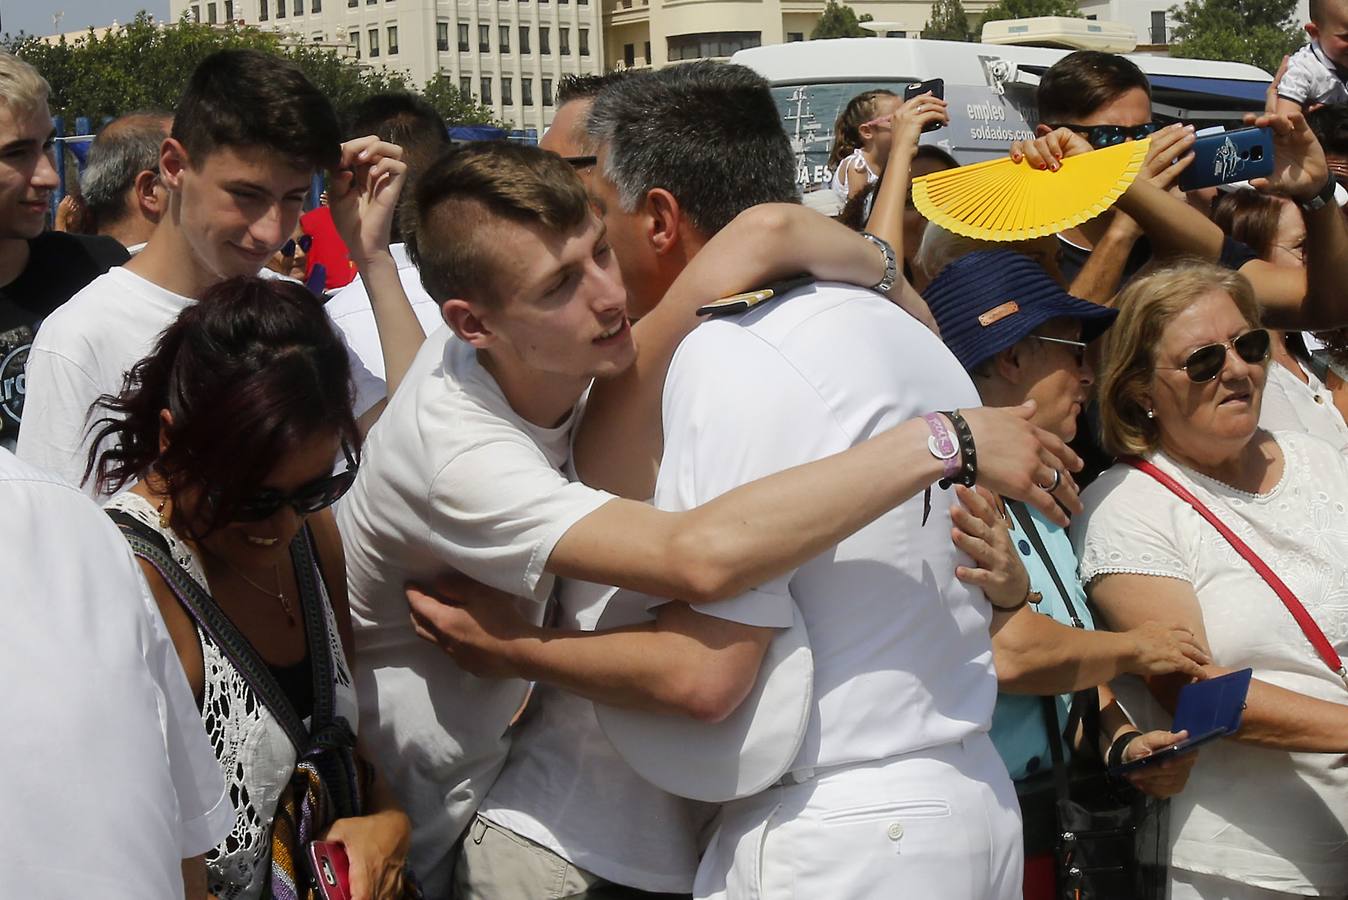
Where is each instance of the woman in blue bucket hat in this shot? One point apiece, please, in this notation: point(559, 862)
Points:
point(1022, 337)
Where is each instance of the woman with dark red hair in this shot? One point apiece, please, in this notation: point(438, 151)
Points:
point(231, 426)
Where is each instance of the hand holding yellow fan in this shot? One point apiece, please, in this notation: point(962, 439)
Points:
point(1001, 200)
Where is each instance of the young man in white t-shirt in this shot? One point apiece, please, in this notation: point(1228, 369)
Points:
point(111, 787)
point(248, 136)
point(463, 469)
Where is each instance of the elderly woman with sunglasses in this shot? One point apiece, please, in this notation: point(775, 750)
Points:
point(231, 425)
point(1265, 813)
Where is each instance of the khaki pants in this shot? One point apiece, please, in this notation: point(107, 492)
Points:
point(497, 864)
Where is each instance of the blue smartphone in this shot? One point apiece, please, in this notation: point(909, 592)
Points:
point(1229, 156)
point(1208, 710)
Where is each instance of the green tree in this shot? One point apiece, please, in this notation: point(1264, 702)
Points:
point(948, 22)
point(1259, 32)
point(146, 64)
point(456, 107)
point(1025, 9)
point(840, 21)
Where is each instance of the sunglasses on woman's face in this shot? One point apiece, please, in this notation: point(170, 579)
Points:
point(304, 243)
point(305, 500)
point(1207, 362)
point(1101, 136)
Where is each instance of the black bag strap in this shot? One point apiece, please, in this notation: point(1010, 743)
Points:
point(151, 546)
point(1081, 700)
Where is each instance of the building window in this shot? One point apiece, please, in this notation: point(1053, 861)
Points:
point(1158, 26)
point(316, 6)
point(355, 42)
point(352, 4)
point(484, 39)
point(318, 38)
point(793, 36)
point(547, 91)
point(299, 8)
point(524, 39)
point(463, 37)
point(374, 42)
point(544, 40)
point(507, 91)
point(263, 10)
point(466, 87)
point(229, 10)
point(505, 38)
point(711, 44)
point(280, 9)
point(647, 48)
point(442, 36)
point(486, 89)
point(527, 91)
point(584, 42)
point(196, 14)
point(211, 14)
point(392, 40)
point(564, 40)
point(629, 55)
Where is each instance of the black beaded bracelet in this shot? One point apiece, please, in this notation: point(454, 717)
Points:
point(968, 455)
point(1114, 758)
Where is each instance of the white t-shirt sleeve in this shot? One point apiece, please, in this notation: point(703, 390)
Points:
point(1131, 524)
point(736, 411)
point(500, 508)
point(56, 414)
point(1307, 80)
point(204, 807)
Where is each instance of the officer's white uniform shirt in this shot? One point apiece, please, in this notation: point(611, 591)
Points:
point(107, 776)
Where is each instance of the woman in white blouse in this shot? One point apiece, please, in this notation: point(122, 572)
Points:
point(1265, 814)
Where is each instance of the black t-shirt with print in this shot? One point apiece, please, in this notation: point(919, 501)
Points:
point(59, 266)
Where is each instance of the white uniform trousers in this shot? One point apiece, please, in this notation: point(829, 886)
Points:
point(938, 823)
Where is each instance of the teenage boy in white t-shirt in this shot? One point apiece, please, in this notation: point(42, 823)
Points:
point(896, 781)
point(462, 470)
point(248, 135)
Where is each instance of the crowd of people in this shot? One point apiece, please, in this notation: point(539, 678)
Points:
point(597, 520)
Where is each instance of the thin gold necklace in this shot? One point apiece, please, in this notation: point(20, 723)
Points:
point(278, 594)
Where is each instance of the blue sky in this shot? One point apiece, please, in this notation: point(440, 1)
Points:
point(35, 16)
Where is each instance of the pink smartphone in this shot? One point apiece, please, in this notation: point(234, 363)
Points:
point(329, 863)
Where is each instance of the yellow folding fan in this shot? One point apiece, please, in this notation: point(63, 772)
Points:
point(999, 200)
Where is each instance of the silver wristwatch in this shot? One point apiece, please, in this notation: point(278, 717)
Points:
point(891, 262)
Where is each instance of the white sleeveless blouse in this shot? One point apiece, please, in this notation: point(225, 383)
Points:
point(255, 754)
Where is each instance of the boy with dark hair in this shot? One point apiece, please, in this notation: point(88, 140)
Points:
point(413, 124)
point(39, 270)
point(1316, 73)
point(249, 133)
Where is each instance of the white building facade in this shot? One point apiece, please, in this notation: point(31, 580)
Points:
point(509, 54)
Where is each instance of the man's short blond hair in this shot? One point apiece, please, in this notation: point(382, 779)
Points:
point(21, 87)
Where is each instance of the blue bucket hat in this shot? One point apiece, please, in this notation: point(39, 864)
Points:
point(987, 301)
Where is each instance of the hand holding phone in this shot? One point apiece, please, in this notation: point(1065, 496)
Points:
point(933, 86)
point(1229, 156)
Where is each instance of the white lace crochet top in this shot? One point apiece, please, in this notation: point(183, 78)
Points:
point(1275, 820)
point(256, 755)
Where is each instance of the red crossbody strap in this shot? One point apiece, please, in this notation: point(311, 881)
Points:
point(1308, 627)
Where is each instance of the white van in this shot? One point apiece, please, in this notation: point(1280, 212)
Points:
point(990, 89)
